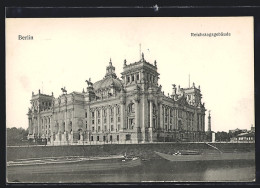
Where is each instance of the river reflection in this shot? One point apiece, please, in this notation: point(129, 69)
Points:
point(154, 170)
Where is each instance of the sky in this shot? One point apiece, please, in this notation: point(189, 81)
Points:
point(67, 51)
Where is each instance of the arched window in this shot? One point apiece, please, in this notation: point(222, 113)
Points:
point(154, 109)
point(131, 108)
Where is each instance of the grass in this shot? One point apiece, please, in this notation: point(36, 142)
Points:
point(143, 150)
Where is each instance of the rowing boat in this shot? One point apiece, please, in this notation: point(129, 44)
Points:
point(208, 156)
point(71, 164)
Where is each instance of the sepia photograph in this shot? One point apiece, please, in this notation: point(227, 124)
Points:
point(130, 99)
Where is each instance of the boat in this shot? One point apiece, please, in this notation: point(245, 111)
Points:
point(70, 164)
point(215, 156)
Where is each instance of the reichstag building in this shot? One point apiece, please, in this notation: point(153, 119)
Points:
point(132, 109)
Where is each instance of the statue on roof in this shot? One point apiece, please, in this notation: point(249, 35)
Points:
point(89, 82)
point(64, 91)
point(155, 63)
point(125, 62)
point(142, 56)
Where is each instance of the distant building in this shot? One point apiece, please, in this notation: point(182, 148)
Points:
point(252, 128)
point(133, 109)
point(238, 130)
point(244, 137)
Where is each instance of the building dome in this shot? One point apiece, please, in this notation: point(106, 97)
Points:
point(108, 82)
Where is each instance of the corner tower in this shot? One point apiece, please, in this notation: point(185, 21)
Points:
point(141, 72)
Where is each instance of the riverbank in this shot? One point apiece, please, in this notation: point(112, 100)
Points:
point(145, 151)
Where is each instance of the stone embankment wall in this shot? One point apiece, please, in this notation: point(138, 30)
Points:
point(145, 151)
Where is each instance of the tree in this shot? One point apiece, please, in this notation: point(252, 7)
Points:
point(14, 136)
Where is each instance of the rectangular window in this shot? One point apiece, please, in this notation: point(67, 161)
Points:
point(93, 128)
point(128, 137)
point(105, 120)
point(111, 137)
point(93, 121)
point(118, 127)
point(117, 137)
point(131, 121)
point(104, 138)
point(128, 79)
point(93, 114)
point(112, 128)
point(86, 114)
point(137, 76)
point(105, 128)
point(91, 138)
point(133, 78)
point(112, 119)
point(97, 138)
point(98, 128)
point(118, 119)
point(98, 121)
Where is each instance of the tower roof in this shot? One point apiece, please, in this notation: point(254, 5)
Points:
point(110, 70)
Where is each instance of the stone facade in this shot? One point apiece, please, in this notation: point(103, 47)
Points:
point(132, 109)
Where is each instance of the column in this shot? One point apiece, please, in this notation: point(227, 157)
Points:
point(122, 115)
point(143, 112)
point(88, 119)
point(161, 116)
point(151, 114)
point(95, 119)
point(137, 124)
point(38, 124)
point(66, 123)
point(30, 125)
point(169, 116)
point(115, 120)
point(108, 119)
point(101, 119)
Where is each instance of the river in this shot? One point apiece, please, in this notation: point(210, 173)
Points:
point(155, 170)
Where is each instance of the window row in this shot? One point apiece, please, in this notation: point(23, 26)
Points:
point(104, 113)
point(132, 77)
point(105, 138)
point(112, 128)
point(105, 120)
